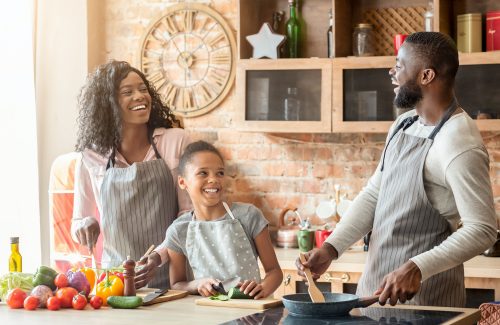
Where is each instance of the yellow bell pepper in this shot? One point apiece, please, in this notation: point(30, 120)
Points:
point(110, 286)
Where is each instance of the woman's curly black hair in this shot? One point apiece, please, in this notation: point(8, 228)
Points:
point(99, 119)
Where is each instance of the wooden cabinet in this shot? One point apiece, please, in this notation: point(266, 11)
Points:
point(284, 95)
point(351, 94)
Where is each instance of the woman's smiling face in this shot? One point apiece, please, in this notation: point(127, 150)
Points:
point(134, 100)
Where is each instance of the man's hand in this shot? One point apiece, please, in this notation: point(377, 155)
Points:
point(317, 260)
point(88, 232)
point(401, 284)
point(145, 274)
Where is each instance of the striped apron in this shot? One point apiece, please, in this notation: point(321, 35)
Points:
point(406, 224)
point(139, 202)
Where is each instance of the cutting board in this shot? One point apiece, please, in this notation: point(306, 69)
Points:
point(167, 296)
point(260, 304)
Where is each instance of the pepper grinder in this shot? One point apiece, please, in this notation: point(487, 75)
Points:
point(128, 277)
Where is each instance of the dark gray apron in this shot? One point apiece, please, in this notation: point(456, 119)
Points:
point(406, 224)
point(139, 202)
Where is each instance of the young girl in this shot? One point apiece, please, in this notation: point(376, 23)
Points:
point(216, 245)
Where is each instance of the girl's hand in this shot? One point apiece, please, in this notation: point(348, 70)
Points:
point(253, 289)
point(205, 288)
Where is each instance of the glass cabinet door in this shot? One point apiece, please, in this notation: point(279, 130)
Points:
point(284, 96)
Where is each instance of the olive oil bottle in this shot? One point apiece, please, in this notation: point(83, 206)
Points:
point(15, 259)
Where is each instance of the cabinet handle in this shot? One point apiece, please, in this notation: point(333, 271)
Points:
point(343, 278)
point(287, 280)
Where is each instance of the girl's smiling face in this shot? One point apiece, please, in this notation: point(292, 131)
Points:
point(204, 179)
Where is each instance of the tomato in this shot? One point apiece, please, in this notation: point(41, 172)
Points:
point(79, 301)
point(31, 302)
point(96, 302)
point(15, 298)
point(53, 303)
point(65, 295)
point(61, 280)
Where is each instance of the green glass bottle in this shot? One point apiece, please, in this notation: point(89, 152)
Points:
point(293, 31)
point(15, 259)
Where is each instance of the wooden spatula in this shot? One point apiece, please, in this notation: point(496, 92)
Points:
point(314, 293)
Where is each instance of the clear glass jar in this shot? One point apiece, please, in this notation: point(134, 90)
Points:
point(363, 42)
point(292, 105)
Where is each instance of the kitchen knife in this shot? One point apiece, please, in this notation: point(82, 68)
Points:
point(225, 285)
point(152, 296)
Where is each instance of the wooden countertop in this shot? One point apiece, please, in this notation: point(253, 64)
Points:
point(182, 311)
point(354, 261)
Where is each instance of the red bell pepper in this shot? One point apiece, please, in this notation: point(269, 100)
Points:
point(103, 275)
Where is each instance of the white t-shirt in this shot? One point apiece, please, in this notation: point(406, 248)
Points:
point(457, 183)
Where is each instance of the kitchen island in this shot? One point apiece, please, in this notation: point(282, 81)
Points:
point(182, 311)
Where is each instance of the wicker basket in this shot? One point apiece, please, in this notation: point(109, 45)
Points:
point(490, 313)
point(388, 22)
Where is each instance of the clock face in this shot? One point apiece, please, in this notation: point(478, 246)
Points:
point(188, 54)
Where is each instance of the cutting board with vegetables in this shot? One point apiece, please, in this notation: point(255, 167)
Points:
point(240, 303)
point(167, 296)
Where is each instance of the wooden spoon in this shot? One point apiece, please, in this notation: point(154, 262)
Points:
point(314, 293)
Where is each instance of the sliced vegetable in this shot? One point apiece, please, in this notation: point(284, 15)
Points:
point(45, 275)
point(236, 293)
point(124, 302)
point(79, 281)
point(9, 281)
point(219, 296)
point(43, 293)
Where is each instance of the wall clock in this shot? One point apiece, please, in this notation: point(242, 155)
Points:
point(189, 56)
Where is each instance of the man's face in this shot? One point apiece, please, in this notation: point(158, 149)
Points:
point(405, 75)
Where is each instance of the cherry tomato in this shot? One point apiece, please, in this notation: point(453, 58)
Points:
point(15, 298)
point(53, 303)
point(65, 295)
point(61, 280)
point(79, 301)
point(30, 303)
point(96, 302)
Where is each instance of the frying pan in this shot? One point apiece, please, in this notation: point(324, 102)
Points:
point(336, 304)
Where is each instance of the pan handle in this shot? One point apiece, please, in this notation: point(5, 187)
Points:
point(366, 301)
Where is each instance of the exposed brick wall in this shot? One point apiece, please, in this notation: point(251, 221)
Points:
point(270, 170)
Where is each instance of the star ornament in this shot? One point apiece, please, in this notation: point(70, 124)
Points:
point(265, 43)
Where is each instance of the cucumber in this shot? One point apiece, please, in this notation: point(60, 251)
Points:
point(124, 302)
point(235, 293)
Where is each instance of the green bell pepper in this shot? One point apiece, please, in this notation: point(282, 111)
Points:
point(45, 275)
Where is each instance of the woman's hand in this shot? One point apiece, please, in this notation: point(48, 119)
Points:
point(205, 288)
point(254, 289)
point(146, 273)
point(88, 232)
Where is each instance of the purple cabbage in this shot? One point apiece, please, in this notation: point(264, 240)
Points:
point(78, 281)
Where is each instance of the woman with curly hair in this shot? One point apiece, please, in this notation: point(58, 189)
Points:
point(126, 180)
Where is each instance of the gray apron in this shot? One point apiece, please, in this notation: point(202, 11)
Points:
point(406, 224)
point(220, 250)
point(139, 202)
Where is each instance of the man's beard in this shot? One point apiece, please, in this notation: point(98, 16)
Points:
point(408, 95)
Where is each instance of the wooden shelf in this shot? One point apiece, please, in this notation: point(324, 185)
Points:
point(346, 14)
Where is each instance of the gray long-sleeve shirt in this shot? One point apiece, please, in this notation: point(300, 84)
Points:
point(457, 183)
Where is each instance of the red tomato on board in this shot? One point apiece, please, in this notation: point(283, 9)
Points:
point(15, 298)
point(96, 302)
point(79, 301)
point(65, 295)
point(31, 302)
point(53, 303)
point(61, 280)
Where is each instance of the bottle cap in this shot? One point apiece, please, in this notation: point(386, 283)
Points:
point(14, 240)
point(364, 25)
point(292, 2)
